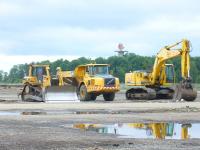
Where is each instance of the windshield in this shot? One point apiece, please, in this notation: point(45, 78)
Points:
point(93, 70)
point(169, 70)
point(38, 71)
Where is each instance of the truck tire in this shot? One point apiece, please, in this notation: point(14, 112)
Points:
point(93, 97)
point(109, 96)
point(83, 94)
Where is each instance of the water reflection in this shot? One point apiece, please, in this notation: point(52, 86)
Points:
point(33, 113)
point(145, 130)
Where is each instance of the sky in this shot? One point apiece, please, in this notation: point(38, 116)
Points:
point(35, 30)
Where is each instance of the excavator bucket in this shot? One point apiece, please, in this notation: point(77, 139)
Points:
point(65, 93)
point(185, 91)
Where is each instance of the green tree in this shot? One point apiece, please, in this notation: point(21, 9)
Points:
point(119, 66)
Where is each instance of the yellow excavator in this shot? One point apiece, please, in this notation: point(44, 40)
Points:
point(159, 83)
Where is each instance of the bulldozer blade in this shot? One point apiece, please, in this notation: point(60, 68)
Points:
point(65, 93)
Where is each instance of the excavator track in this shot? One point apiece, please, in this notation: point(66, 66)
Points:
point(164, 93)
point(140, 93)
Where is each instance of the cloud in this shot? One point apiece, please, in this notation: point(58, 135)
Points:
point(7, 62)
point(173, 24)
point(7, 8)
point(6, 45)
point(94, 28)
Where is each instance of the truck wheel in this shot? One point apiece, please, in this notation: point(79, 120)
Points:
point(22, 96)
point(84, 95)
point(93, 97)
point(109, 96)
point(128, 97)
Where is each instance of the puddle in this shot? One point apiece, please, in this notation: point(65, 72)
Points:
point(65, 112)
point(145, 130)
point(33, 113)
point(5, 113)
point(52, 112)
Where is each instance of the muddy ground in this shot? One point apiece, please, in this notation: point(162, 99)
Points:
point(31, 125)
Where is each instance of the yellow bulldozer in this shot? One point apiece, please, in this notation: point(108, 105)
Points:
point(160, 81)
point(40, 85)
point(85, 83)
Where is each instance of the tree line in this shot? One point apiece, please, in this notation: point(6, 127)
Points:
point(119, 66)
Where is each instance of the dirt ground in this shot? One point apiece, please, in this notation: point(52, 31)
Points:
point(50, 130)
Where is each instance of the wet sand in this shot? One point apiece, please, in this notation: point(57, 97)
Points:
point(29, 125)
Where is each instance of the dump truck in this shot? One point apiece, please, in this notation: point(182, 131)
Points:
point(85, 83)
point(92, 80)
point(160, 81)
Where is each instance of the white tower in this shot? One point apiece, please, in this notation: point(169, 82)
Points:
point(120, 50)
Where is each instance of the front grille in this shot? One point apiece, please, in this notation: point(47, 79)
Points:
point(109, 82)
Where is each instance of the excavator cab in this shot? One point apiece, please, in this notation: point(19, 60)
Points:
point(169, 74)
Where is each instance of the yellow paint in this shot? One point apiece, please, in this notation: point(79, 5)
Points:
point(80, 74)
point(32, 80)
point(158, 74)
point(93, 83)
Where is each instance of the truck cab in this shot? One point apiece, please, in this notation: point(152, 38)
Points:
point(94, 80)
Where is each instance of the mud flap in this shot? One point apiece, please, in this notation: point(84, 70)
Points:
point(63, 94)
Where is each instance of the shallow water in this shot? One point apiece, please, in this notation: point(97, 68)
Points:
point(145, 130)
point(58, 112)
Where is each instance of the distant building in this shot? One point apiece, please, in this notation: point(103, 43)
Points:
point(120, 50)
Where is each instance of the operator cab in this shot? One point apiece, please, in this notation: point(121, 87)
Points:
point(39, 71)
point(170, 76)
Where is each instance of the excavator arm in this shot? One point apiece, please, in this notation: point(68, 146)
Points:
point(163, 55)
point(184, 90)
